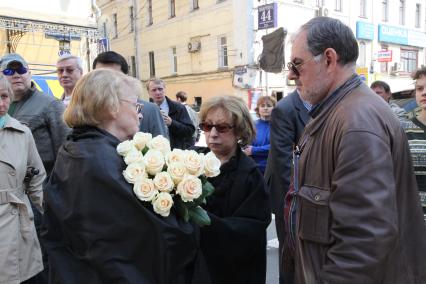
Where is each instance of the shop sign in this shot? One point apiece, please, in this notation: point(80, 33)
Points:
point(384, 56)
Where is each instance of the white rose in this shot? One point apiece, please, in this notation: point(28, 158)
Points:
point(163, 182)
point(177, 155)
point(134, 156)
point(125, 147)
point(211, 165)
point(134, 171)
point(159, 143)
point(177, 171)
point(189, 188)
point(194, 162)
point(144, 189)
point(140, 139)
point(154, 162)
point(162, 204)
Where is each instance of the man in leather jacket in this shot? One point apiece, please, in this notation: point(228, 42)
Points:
point(359, 218)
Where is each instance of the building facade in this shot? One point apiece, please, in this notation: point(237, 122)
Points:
point(41, 31)
point(212, 47)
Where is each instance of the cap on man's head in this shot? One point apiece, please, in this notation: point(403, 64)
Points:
point(12, 58)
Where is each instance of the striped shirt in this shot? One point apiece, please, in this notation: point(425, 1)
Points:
point(416, 134)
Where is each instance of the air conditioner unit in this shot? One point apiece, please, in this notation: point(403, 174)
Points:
point(194, 46)
point(321, 12)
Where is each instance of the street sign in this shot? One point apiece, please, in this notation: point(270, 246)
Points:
point(267, 16)
point(384, 56)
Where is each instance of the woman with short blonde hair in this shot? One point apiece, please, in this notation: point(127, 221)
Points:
point(96, 229)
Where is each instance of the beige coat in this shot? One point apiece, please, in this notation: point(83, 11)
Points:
point(20, 254)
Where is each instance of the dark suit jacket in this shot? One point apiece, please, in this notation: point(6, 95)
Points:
point(181, 129)
point(288, 120)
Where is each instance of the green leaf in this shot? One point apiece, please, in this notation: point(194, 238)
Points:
point(199, 216)
point(144, 150)
point(207, 190)
point(182, 210)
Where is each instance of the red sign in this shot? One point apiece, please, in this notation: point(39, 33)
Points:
point(384, 56)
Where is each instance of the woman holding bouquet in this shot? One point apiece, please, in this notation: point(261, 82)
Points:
point(96, 229)
point(234, 245)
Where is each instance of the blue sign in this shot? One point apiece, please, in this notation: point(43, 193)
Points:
point(393, 34)
point(364, 30)
point(267, 16)
point(401, 36)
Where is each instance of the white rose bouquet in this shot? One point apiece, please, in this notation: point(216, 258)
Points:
point(169, 179)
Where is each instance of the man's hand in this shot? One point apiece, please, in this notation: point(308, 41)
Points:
point(167, 119)
point(247, 150)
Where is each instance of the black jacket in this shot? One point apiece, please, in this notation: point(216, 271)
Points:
point(97, 231)
point(234, 245)
point(181, 129)
point(288, 120)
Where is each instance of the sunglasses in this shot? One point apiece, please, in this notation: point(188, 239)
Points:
point(9, 71)
point(137, 106)
point(221, 128)
point(296, 67)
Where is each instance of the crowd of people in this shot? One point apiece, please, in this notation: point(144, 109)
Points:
point(339, 165)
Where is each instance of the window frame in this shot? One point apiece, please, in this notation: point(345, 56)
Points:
point(172, 9)
point(385, 10)
point(174, 58)
point(149, 12)
point(115, 25)
point(223, 57)
point(131, 16)
point(402, 7)
point(418, 15)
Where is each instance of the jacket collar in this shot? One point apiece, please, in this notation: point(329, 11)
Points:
point(320, 112)
point(12, 123)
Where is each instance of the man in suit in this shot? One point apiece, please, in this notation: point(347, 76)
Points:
point(152, 121)
point(175, 115)
point(288, 119)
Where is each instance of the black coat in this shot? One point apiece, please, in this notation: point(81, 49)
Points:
point(288, 121)
point(97, 231)
point(181, 129)
point(234, 245)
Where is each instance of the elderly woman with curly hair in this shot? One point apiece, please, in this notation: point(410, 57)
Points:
point(234, 245)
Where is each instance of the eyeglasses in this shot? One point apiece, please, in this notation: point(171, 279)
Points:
point(9, 71)
point(221, 128)
point(296, 67)
point(138, 106)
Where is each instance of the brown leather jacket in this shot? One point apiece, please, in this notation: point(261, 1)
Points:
point(359, 215)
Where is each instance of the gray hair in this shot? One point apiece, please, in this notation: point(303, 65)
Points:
point(7, 86)
point(325, 32)
point(69, 56)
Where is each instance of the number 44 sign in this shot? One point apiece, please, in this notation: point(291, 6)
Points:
point(267, 16)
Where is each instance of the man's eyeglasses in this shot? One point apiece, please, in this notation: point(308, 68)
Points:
point(138, 106)
point(296, 67)
point(20, 70)
point(221, 128)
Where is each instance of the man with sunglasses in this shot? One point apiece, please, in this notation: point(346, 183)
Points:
point(358, 216)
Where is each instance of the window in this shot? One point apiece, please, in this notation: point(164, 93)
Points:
point(338, 6)
point(174, 60)
point(195, 4)
point(298, 1)
point(133, 64)
point(172, 9)
point(114, 28)
point(150, 21)
point(223, 52)
point(131, 16)
point(319, 3)
point(363, 8)
point(151, 64)
point(402, 12)
point(362, 54)
point(384, 10)
point(418, 15)
point(408, 60)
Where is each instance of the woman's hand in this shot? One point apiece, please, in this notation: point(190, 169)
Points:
point(247, 150)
